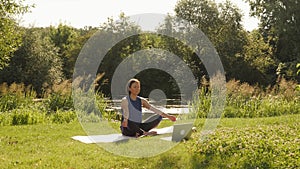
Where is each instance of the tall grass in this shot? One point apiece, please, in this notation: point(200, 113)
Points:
point(59, 97)
point(19, 105)
point(245, 101)
point(15, 96)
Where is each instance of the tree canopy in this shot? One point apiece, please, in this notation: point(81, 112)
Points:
point(42, 57)
point(35, 63)
point(280, 25)
point(10, 34)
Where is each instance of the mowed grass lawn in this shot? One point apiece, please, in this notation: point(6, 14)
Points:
point(51, 146)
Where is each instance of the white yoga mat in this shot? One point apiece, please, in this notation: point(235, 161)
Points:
point(110, 138)
point(101, 138)
point(167, 138)
point(164, 130)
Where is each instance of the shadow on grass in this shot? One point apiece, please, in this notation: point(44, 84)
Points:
point(168, 162)
point(197, 161)
point(194, 161)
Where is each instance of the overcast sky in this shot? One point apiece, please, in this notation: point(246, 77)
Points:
point(80, 13)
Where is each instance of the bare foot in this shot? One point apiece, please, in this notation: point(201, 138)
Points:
point(151, 133)
point(137, 135)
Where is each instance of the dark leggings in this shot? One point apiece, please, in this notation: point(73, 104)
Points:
point(133, 127)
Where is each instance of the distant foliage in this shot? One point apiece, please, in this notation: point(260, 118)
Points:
point(24, 116)
point(279, 25)
point(35, 63)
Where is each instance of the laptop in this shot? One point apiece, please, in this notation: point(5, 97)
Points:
point(182, 131)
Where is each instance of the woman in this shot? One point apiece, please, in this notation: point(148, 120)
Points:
point(131, 106)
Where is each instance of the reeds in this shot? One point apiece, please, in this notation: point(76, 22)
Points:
point(246, 101)
point(19, 103)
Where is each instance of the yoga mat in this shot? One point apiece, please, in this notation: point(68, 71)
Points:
point(164, 130)
point(167, 138)
point(110, 138)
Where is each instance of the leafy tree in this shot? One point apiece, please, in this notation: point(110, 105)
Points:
point(259, 54)
point(73, 51)
point(67, 39)
point(173, 26)
point(204, 14)
point(280, 20)
point(35, 63)
point(10, 35)
point(108, 32)
point(221, 23)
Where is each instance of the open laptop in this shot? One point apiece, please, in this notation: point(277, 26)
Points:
point(182, 131)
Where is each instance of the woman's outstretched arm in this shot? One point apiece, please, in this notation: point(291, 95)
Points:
point(146, 104)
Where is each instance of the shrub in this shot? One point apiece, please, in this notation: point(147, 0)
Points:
point(88, 117)
point(5, 119)
point(63, 117)
point(262, 147)
point(15, 96)
point(8, 102)
point(57, 101)
point(22, 117)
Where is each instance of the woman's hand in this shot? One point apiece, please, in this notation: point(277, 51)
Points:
point(172, 118)
point(125, 123)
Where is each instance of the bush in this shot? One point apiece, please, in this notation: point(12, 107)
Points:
point(63, 117)
point(88, 117)
point(5, 119)
point(262, 147)
point(12, 101)
point(15, 96)
point(57, 101)
point(8, 102)
point(22, 117)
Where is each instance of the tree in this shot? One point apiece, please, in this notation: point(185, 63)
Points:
point(10, 34)
point(174, 26)
point(109, 31)
point(204, 14)
point(67, 40)
point(221, 23)
point(280, 20)
point(73, 51)
point(35, 63)
point(259, 54)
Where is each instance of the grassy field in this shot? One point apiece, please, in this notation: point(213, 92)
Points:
point(271, 142)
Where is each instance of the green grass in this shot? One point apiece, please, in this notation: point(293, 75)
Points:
point(51, 146)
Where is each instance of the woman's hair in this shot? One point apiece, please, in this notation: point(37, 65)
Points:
point(129, 83)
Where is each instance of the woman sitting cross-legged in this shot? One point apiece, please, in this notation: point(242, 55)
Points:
point(131, 106)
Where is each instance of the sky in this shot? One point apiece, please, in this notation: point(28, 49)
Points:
point(81, 13)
